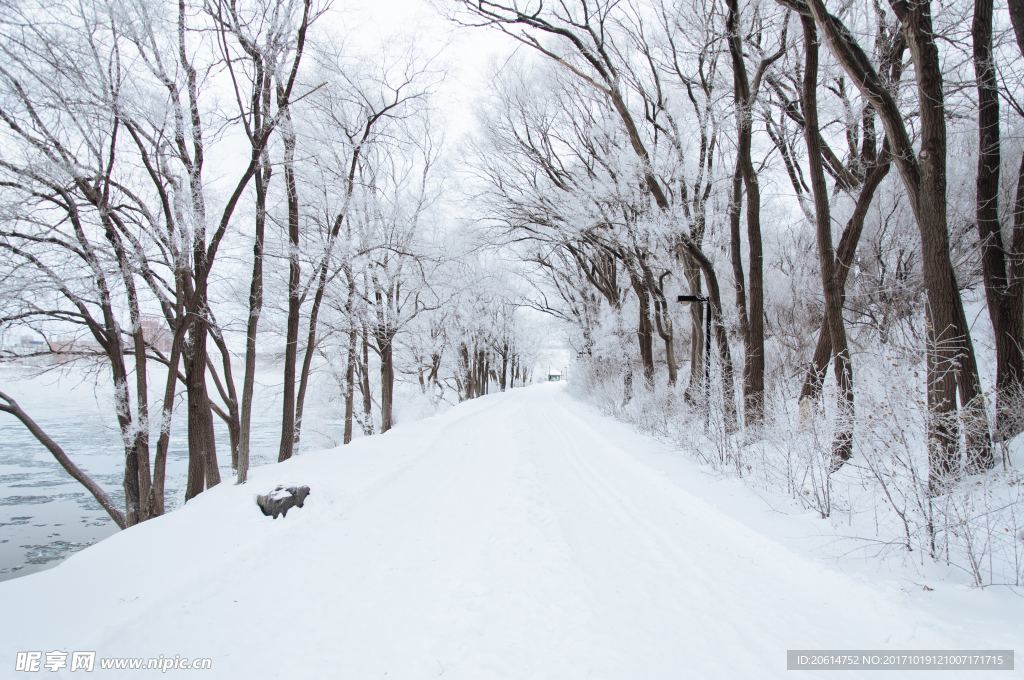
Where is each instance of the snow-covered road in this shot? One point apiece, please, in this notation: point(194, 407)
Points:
point(517, 536)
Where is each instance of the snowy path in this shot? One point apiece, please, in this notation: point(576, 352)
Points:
point(519, 536)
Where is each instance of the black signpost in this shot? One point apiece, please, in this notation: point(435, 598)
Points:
point(707, 349)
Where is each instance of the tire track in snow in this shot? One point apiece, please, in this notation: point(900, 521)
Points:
point(738, 584)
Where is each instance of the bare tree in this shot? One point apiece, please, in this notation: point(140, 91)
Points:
point(357, 109)
point(749, 298)
point(1004, 287)
point(585, 36)
point(951, 361)
point(270, 39)
point(842, 447)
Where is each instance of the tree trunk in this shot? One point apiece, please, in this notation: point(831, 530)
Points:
point(753, 360)
point(387, 380)
point(662, 319)
point(156, 492)
point(644, 332)
point(350, 364)
point(670, 358)
point(261, 180)
point(842, 446)
point(203, 472)
point(480, 380)
point(364, 384)
point(504, 367)
point(736, 252)
point(1003, 307)
point(1013, 389)
point(953, 352)
point(291, 347)
point(467, 371)
point(845, 254)
point(950, 352)
point(435, 369)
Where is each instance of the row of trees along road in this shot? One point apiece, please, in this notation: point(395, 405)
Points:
point(182, 181)
point(634, 148)
point(186, 186)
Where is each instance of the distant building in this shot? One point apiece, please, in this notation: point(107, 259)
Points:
point(156, 333)
point(32, 342)
point(554, 375)
point(70, 344)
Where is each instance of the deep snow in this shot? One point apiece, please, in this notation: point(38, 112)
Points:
point(520, 535)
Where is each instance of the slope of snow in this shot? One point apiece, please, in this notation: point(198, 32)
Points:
point(518, 536)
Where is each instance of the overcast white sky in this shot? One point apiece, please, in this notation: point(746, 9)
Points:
point(468, 53)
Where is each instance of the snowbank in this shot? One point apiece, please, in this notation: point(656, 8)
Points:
point(519, 535)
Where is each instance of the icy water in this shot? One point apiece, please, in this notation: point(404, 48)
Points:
point(45, 515)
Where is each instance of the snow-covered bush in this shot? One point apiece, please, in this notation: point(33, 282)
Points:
point(975, 527)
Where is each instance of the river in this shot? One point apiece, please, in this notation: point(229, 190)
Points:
point(46, 515)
